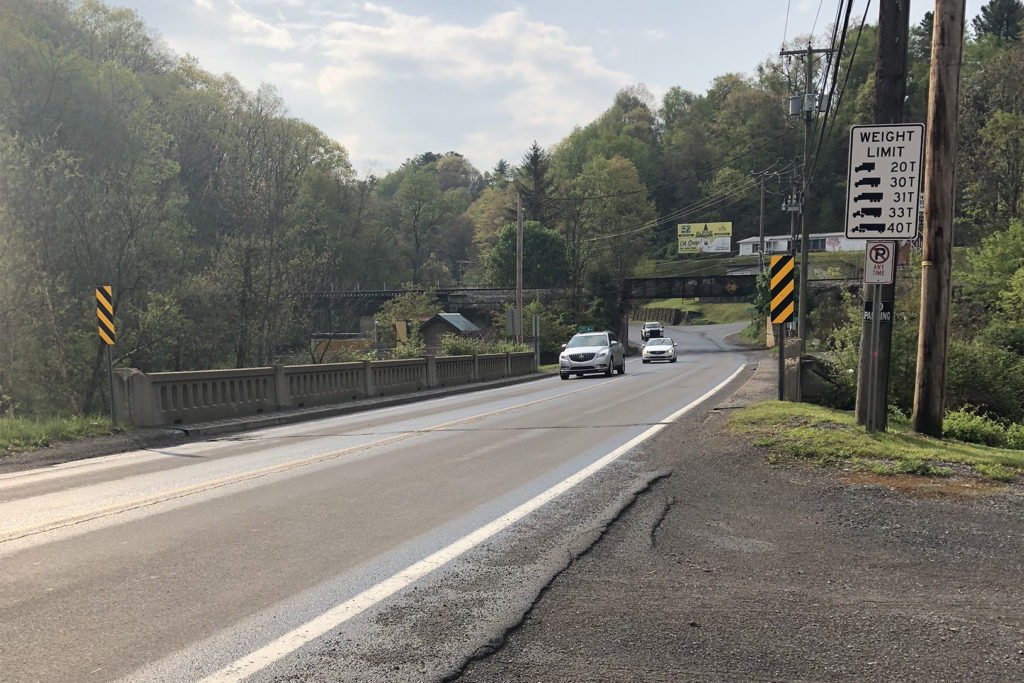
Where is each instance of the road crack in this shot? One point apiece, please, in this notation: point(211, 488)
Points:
point(588, 542)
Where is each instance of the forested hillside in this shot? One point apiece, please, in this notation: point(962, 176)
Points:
point(214, 214)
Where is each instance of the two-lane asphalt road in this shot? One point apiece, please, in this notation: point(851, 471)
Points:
point(257, 554)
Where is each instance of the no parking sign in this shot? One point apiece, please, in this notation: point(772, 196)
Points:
point(880, 262)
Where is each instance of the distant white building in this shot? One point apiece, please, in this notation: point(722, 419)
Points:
point(821, 241)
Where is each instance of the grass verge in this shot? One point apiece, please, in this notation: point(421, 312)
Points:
point(753, 335)
point(831, 438)
point(19, 434)
point(707, 314)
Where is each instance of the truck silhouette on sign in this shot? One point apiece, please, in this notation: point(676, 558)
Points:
point(870, 182)
point(874, 197)
point(866, 166)
point(873, 211)
point(869, 227)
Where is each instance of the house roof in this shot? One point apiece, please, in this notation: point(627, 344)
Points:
point(776, 238)
point(456, 320)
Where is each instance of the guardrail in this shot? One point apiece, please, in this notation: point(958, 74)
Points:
point(167, 398)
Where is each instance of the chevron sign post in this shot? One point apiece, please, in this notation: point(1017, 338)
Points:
point(105, 316)
point(782, 306)
point(782, 289)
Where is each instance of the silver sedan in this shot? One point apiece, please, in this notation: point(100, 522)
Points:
point(659, 348)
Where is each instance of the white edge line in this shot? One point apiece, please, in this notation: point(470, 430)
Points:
point(293, 640)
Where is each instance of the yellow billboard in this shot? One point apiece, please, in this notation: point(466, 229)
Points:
point(705, 238)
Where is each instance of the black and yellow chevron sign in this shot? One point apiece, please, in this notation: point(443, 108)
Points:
point(105, 313)
point(782, 289)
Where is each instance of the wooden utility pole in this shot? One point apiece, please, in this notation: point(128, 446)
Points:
point(890, 91)
point(518, 315)
point(808, 106)
point(937, 240)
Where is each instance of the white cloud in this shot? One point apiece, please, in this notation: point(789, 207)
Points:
point(286, 68)
point(544, 74)
point(249, 29)
point(245, 27)
point(656, 34)
point(389, 84)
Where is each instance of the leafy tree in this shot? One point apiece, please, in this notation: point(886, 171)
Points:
point(543, 257)
point(422, 206)
point(620, 219)
point(1001, 178)
point(454, 171)
point(494, 209)
point(414, 304)
point(533, 184)
point(920, 48)
point(993, 263)
point(501, 175)
point(554, 330)
point(1000, 18)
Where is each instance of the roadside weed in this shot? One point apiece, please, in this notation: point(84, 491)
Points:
point(997, 472)
point(831, 438)
point(24, 434)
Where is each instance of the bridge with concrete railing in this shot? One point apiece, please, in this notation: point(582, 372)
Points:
point(168, 398)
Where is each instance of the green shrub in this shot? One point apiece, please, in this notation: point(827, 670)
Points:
point(1015, 436)
point(966, 424)
point(842, 385)
point(996, 471)
point(1008, 335)
point(412, 347)
point(986, 376)
point(454, 345)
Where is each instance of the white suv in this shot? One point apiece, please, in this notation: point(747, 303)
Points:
point(589, 352)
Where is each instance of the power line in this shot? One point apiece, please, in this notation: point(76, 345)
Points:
point(732, 192)
point(853, 54)
point(785, 29)
point(815, 24)
point(700, 205)
point(829, 117)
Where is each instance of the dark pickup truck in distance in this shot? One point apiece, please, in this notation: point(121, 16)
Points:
point(651, 330)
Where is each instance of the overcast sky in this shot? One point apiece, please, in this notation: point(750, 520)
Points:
point(393, 78)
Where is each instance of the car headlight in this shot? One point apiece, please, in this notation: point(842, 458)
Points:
point(602, 354)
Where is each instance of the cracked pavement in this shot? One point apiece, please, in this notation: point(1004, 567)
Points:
point(731, 569)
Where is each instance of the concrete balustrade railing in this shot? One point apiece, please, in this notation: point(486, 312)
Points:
point(168, 398)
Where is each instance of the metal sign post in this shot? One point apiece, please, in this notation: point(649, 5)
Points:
point(779, 331)
point(879, 269)
point(883, 181)
point(883, 186)
point(876, 321)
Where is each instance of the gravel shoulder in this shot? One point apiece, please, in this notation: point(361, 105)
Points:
point(733, 569)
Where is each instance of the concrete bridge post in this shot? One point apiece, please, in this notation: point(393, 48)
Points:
point(368, 387)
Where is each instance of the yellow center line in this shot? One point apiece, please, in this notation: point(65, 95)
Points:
point(213, 484)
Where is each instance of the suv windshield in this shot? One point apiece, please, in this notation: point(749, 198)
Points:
point(587, 340)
